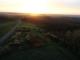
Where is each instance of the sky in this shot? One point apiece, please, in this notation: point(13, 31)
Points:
point(41, 6)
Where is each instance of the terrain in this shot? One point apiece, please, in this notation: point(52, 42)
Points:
point(44, 37)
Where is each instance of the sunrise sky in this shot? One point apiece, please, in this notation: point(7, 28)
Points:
point(41, 6)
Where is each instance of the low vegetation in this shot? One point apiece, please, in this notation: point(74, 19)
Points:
point(29, 38)
point(56, 38)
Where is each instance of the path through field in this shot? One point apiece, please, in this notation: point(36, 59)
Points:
point(8, 34)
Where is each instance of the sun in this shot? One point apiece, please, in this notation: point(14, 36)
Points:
point(34, 6)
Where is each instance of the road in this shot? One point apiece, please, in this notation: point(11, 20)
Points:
point(8, 34)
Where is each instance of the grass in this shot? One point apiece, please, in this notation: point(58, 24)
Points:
point(49, 51)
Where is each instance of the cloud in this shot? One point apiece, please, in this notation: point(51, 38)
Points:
point(67, 3)
point(72, 3)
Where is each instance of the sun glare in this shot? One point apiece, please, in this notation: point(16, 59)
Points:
point(34, 6)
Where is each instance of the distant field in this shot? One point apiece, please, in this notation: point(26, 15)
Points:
point(5, 27)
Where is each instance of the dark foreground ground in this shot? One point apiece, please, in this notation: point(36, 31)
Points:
point(31, 43)
point(50, 52)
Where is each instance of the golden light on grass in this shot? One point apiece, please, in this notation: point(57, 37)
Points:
point(34, 14)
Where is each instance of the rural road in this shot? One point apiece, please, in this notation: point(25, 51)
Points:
point(8, 34)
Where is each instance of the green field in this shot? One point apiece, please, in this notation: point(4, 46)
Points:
point(27, 50)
